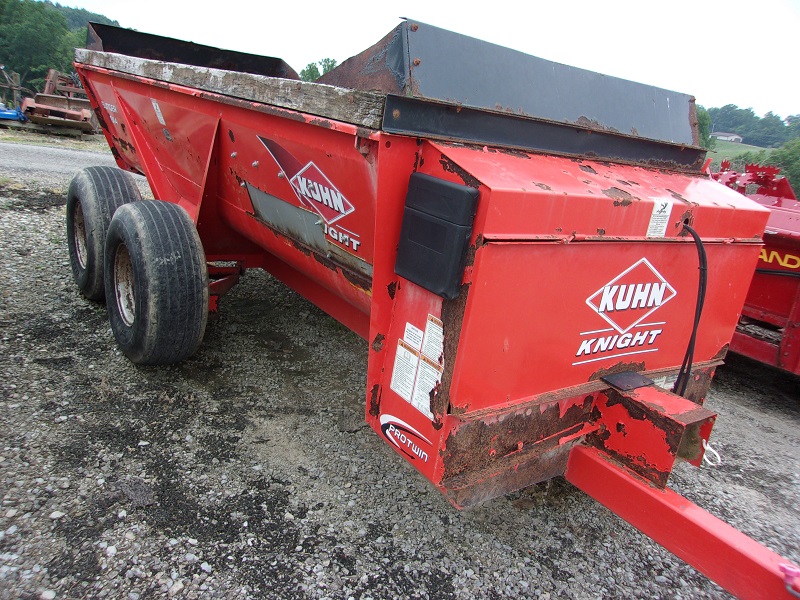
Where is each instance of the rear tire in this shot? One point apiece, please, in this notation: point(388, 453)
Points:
point(156, 283)
point(95, 193)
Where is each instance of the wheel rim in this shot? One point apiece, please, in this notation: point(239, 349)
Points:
point(79, 226)
point(123, 285)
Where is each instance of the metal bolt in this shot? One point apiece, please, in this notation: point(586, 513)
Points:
point(255, 163)
point(396, 113)
point(281, 175)
point(416, 62)
point(242, 184)
point(233, 154)
point(414, 27)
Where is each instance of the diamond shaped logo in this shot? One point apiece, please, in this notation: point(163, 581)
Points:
point(631, 296)
point(317, 192)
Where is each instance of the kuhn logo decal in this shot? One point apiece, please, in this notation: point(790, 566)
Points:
point(405, 437)
point(311, 186)
point(316, 190)
point(625, 303)
point(631, 296)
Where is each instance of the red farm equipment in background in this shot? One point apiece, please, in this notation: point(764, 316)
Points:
point(523, 245)
point(769, 329)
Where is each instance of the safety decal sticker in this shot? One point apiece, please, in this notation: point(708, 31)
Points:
point(418, 364)
point(659, 219)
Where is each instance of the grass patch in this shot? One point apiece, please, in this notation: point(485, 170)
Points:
point(93, 143)
point(730, 150)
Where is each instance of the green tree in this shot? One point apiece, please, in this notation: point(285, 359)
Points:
point(31, 36)
point(787, 157)
point(768, 132)
point(312, 71)
point(327, 64)
point(704, 126)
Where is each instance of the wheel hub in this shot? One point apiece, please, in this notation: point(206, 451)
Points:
point(124, 286)
point(79, 226)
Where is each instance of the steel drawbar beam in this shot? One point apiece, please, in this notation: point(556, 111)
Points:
point(725, 555)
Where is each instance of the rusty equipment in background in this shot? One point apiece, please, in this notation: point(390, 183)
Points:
point(524, 245)
point(769, 329)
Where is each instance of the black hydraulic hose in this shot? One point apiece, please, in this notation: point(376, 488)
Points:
point(686, 368)
point(778, 273)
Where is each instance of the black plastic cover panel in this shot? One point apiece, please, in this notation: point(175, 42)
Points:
point(437, 224)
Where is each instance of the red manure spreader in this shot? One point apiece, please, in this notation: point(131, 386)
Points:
point(769, 329)
point(526, 247)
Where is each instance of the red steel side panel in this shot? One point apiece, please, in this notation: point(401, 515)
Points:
point(545, 316)
point(277, 188)
point(736, 562)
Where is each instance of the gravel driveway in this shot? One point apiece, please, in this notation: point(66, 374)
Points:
point(248, 470)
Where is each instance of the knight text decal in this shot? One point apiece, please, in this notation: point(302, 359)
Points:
point(626, 303)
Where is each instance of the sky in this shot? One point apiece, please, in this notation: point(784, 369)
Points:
point(722, 52)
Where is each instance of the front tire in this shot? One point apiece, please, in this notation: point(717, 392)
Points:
point(156, 283)
point(95, 194)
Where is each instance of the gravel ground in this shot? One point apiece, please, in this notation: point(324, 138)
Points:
point(248, 471)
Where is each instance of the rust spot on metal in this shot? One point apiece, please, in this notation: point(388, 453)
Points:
point(450, 167)
point(375, 400)
point(414, 27)
point(620, 367)
point(417, 62)
point(694, 122)
point(699, 383)
point(396, 113)
point(594, 125)
point(452, 320)
point(99, 114)
point(639, 417)
point(543, 186)
point(377, 343)
point(621, 197)
point(230, 135)
point(475, 445)
point(499, 480)
point(298, 246)
point(687, 218)
point(324, 261)
point(588, 169)
point(321, 123)
point(601, 231)
point(511, 152)
point(392, 289)
point(677, 196)
point(126, 146)
point(357, 279)
point(623, 182)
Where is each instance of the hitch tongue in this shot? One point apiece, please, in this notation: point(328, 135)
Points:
point(647, 428)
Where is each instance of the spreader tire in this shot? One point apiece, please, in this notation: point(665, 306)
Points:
point(95, 193)
point(156, 283)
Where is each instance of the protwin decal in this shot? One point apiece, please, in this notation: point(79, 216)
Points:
point(402, 435)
